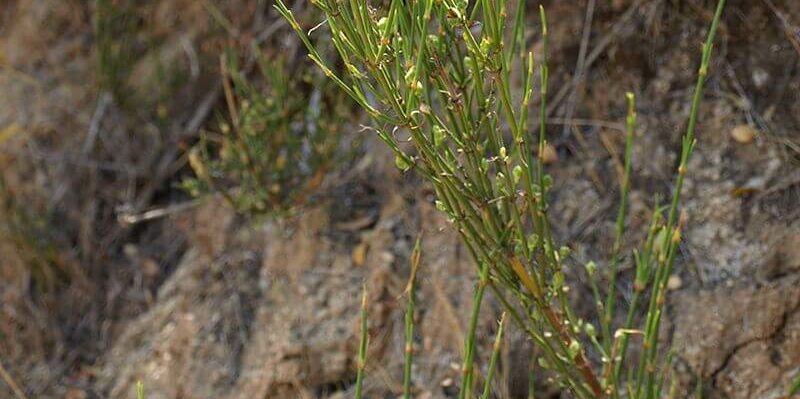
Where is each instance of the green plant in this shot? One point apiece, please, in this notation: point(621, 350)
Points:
point(363, 342)
point(276, 146)
point(794, 389)
point(440, 72)
point(31, 233)
point(115, 30)
point(411, 292)
point(498, 342)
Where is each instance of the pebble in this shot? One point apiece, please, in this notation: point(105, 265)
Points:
point(743, 134)
point(674, 283)
point(549, 155)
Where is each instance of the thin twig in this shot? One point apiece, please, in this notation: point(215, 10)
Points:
point(10, 382)
point(577, 79)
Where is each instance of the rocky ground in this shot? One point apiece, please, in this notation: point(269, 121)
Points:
point(206, 303)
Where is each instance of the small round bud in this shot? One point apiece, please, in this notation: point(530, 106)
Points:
point(591, 268)
point(590, 330)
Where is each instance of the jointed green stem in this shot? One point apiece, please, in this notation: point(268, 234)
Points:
point(498, 341)
point(469, 347)
point(620, 227)
point(411, 290)
point(672, 239)
point(362, 345)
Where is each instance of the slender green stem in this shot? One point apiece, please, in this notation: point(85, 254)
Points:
point(469, 348)
point(672, 237)
point(362, 345)
point(498, 343)
point(532, 381)
point(411, 289)
point(620, 226)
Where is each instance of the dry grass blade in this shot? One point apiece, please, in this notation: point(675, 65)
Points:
point(11, 384)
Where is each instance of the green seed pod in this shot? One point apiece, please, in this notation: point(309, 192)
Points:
point(548, 182)
point(438, 135)
point(382, 23)
point(558, 280)
point(543, 363)
point(410, 75)
point(574, 348)
point(517, 172)
point(401, 163)
point(590, 330)
point(591, 268)
point(533, 242)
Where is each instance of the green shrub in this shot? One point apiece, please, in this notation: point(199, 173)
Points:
point(275, 146)
point(115, 32)
point(440, 73)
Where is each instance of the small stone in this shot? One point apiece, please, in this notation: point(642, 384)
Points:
point(743, 134)
point(359, 254)
point(760, 77)
point(674, 283)
point(75, 393)
point(549, 155)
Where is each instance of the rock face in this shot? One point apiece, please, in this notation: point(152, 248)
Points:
point(746, 341)
point(273, 312)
